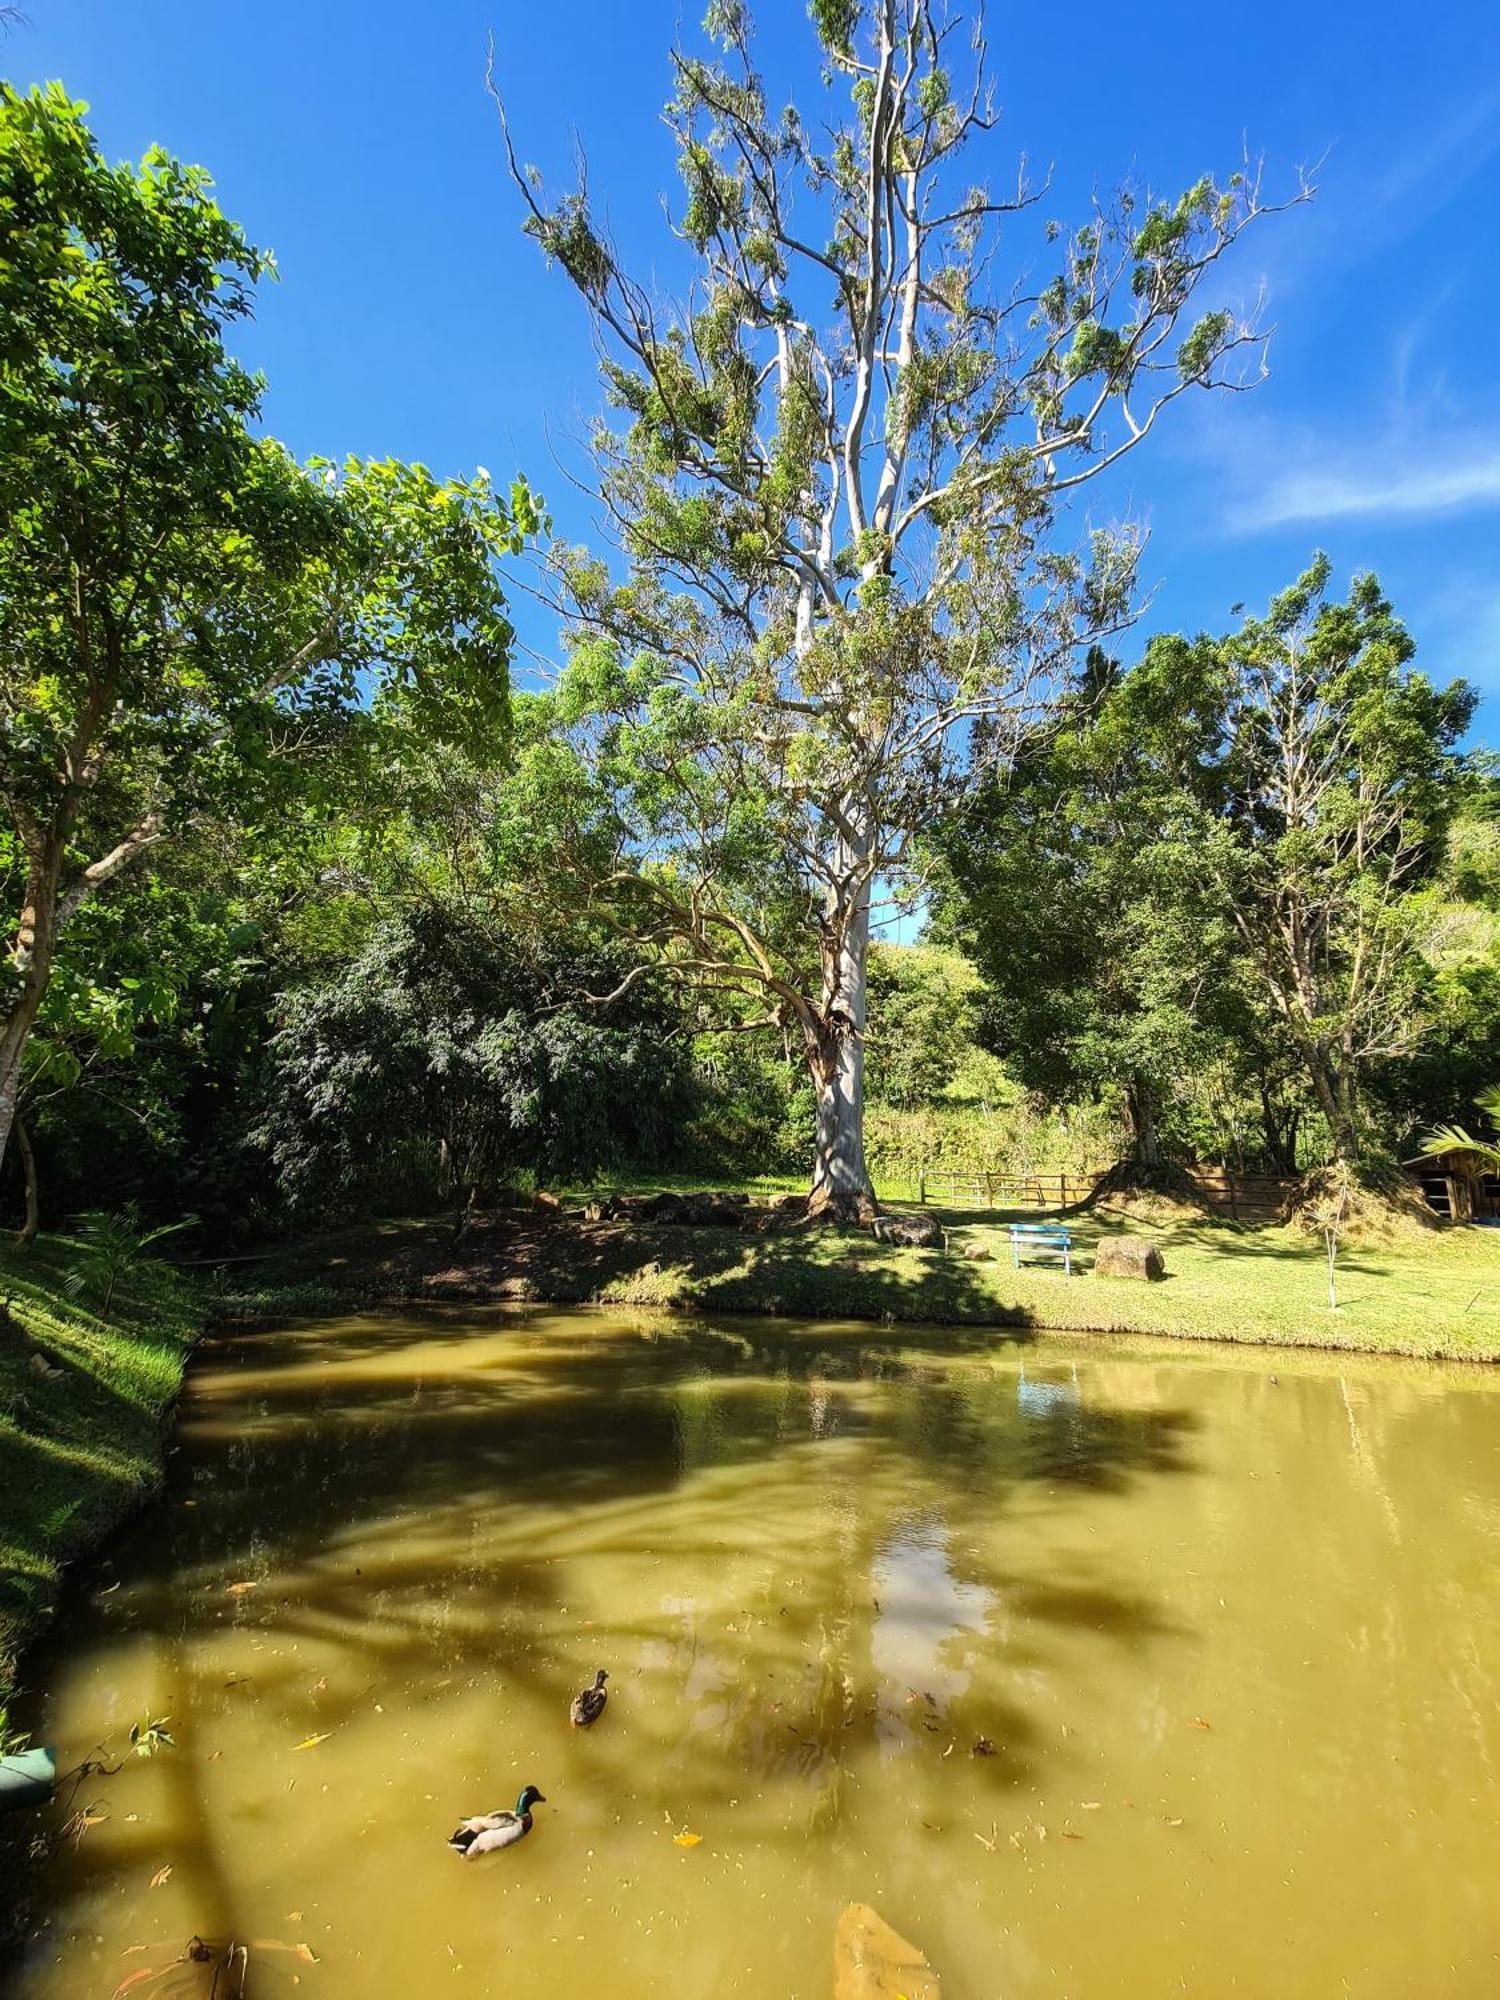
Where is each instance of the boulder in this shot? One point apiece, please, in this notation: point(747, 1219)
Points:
point(873, 1962)
point(915, 1232)
point(977, 1252)
point(1128, 1257)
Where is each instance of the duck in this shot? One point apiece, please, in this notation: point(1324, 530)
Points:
point(588, 1705)
point(486, 1831)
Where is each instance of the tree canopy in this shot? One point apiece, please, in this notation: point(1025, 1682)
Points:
point(833, 476)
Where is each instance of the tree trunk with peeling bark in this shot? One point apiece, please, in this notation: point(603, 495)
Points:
point(835, 1037)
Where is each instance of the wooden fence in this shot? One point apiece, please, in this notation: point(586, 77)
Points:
point(1242, 1197)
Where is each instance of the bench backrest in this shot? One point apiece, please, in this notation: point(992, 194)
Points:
point(1040, 1232)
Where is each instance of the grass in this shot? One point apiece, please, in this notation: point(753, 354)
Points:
point(1434, 1294)
point(82, 1447)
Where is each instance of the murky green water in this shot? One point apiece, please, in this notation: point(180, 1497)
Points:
point(1227, 1622)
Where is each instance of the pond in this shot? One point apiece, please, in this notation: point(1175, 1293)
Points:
point(1095, 1668)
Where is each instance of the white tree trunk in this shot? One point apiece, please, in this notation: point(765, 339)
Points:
point(836, 1057)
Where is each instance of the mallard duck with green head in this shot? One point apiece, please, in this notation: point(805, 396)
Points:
point(486, 1831)
point(588, 1705)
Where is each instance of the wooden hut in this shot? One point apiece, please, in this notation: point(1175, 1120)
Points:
point(1460, 1185)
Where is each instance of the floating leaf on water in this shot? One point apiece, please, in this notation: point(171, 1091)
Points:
point(161, 1875)
point(238, 1589)
point(1199, 1723)
point(686, 1839)
point(1174, 1822)
point(312, 1742)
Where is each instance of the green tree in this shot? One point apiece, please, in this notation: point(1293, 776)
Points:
point(835, 477)
point(457, 1053)
point(1318, 776)
point(1107, 970)
point(185, 613)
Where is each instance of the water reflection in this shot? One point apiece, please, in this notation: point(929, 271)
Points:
point(923, 1613)
point(1062, 1656)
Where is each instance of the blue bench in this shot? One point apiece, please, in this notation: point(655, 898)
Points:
point(1045, 1239)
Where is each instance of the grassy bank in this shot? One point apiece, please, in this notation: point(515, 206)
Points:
point(1432, 1295)
point(81, 1443)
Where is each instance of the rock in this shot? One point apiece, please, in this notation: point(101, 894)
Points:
point(1128, 1257)
point(917, 1232)
point(978, 1252)
point(873, 1962)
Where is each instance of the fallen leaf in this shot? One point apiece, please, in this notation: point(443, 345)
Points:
point(312, 1742)
point(1068, 1835)
point(686, 1839)
point(238, 1589)
point(306, 1953)
point(294, 1916)
point(1199, 1723)
point(160, 1876)
point(1090, 1805)
point(134, 1979)
point(1174, 1822)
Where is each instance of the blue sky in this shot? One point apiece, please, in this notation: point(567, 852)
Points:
point(413, 319)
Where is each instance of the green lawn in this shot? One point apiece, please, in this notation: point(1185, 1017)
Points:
point(1437, 1295)
point(79, 1448)
point(1432, 1294)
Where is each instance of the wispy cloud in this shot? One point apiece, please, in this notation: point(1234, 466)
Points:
point(1391, 480)
point(1369, 200)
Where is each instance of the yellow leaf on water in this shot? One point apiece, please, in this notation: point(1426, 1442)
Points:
point(312, 1742)
point(686, 1839)
point(134, 1979)
point(1199, 1723)
point(160, 1876)
point(238, 1589)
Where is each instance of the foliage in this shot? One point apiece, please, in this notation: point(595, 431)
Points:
point(189, 614)
point(1319, 775)
point(1105, 967)
point(1453, 1138)
point(834, 477)
point(465, 1061)
point(109, 1249)
point(1212, 878)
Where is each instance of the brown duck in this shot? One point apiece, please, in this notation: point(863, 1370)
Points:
point(588, 1705)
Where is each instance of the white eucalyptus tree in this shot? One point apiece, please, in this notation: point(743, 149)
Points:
point(834, 472)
